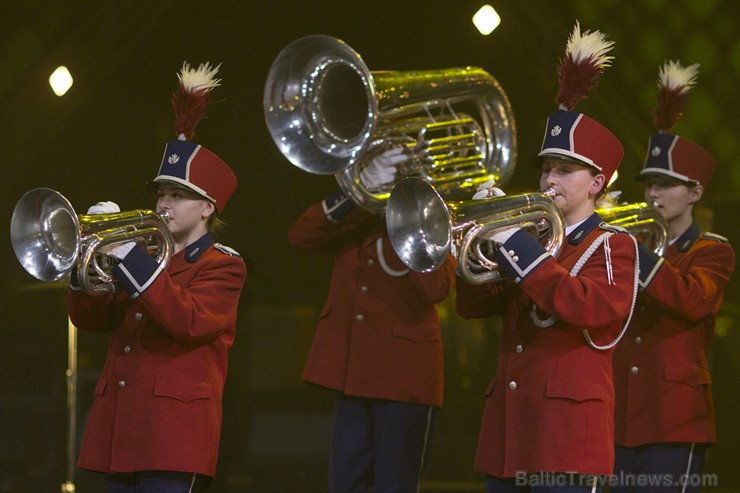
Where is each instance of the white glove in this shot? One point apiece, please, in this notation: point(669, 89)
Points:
point(487, 190)
point(500, 237)
point(104, 208)
point(610, 199)
point(121, 250)
point(381, 169)
point(117, 251)
point(614, 195)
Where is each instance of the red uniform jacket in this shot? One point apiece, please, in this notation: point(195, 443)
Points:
point(378, 334)
point(550, 405)
point(157, 403)
point(660, 370)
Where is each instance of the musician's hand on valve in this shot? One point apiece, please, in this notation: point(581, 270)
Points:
point(500, 237)
point(119, 251)
point(487, 190)
point(106, 207)
point(381, 169)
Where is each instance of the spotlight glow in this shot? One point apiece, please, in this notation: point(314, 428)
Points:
point(60, 80)
point(486, 20)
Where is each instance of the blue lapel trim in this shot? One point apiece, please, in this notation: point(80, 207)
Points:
point(687, 239)
point(577, 235)
point(196, 249)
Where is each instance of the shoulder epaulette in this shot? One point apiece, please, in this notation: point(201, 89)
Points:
point(715, 237)
point(227, 250)
point(612, 227)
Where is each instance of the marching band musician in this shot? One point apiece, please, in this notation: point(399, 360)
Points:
point(664, 408)
point(377, 344)
point(548, 419)
point(155, 421)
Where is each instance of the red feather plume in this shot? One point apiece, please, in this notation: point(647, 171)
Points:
point(190, 109)
point(580, 68)
point(674, 83)
point(191, 99)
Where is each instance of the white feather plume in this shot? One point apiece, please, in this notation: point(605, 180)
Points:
point(581, 46)
point(673, 76)
point(202, 78)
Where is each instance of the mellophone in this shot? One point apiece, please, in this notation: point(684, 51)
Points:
point(50, 239)
point(424, 228)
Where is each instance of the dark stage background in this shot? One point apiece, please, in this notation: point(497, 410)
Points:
point(104, 140)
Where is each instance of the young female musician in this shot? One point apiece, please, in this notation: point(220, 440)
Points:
point(548, 418)
point(155, 421)
point(665, 412)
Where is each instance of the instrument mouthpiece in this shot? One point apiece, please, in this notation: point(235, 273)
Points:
point(549, 191)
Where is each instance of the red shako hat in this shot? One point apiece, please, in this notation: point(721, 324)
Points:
point(669, 154)
point(572, 135)
point(185, 163)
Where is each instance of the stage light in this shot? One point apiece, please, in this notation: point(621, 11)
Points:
point(60, 80)
point(486, 20)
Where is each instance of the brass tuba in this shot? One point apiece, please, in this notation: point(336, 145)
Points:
point(328, 114)
point(641, 220)
point(50, 239)
point(423, 228)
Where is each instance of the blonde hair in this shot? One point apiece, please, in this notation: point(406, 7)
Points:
point(216, 226)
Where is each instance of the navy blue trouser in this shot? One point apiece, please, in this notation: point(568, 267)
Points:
point(378, 442)
point(157, 482)
point(663, 467)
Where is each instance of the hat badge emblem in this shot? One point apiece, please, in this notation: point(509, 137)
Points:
point(173, 159)
point(556, 130)
point(655, 151)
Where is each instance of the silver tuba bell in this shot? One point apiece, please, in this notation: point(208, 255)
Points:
point(328, 114)
point(641, 220)
point(50, 239)
point(423, 228)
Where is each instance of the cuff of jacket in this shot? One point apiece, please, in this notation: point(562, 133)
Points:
point(650, 263)
point(336, 206)
point(520, 255)
point(137, 271)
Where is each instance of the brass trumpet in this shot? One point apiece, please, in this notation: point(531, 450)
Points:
point(641, 220)
point(424, 229)
point(50, 239)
